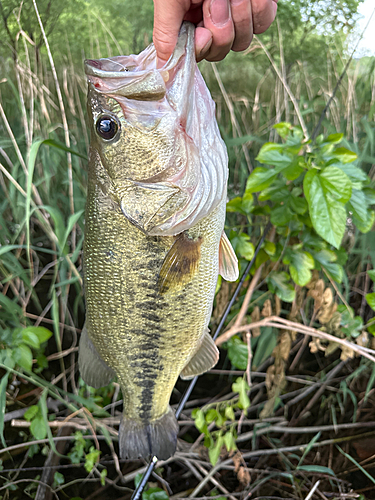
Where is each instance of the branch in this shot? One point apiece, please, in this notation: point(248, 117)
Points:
point(284, 324)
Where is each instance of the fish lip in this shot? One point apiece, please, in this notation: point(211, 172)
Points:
point(137, 70)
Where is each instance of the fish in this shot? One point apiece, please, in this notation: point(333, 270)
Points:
point(154, 236)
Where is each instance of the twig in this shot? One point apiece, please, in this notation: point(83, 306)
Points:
point(274, 451)
point(312, 491)
point(29, 481)
point(277, 322)
point(247, 298)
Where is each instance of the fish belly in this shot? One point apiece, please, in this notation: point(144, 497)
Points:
point(143, 336)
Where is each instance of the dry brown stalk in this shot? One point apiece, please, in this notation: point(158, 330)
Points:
point(232, 115)
point(281, 323)
point(287, 88)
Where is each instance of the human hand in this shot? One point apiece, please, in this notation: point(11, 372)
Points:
point(222, 25)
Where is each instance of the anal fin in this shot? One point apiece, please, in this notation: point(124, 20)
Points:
point(203, 360)
point(93, 369)
point(228, 262)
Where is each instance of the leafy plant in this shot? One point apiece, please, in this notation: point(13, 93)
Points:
point(219, 415)
point(17, 347)
point(314, 194)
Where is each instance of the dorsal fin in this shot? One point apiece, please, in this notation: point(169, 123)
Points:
point(180, 263)
point(228, 262)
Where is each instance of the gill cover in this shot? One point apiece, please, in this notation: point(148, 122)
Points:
point(194, 179)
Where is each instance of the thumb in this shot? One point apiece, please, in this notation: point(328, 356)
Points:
point(168, 17)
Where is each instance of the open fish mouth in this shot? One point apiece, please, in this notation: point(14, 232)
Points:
point(137, 76)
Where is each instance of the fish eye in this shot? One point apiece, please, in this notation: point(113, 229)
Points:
point(107, 127)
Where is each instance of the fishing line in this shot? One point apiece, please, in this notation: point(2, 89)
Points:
point(146, 476)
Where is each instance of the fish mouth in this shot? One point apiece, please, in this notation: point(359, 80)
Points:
point(137, 76)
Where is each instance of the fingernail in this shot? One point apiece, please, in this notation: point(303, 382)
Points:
point(219, 11)
point(205, 49)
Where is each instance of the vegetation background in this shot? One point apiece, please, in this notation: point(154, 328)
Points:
point(289, 411)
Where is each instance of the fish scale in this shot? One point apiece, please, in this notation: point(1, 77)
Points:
point(154, 246)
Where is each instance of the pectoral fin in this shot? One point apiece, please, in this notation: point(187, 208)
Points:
point(142, 201)
point(228, 262)
point(180, 263)
point(93, 369)
point(203, 360)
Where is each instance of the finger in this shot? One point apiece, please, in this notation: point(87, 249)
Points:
point(243, 24)
point(203, 42)
point(264, 13)
point(168, 16)
point(217, 18)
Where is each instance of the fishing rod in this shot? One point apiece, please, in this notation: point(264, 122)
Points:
point(146, 476)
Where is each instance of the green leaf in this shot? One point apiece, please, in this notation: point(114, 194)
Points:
point(137, 479)
point(283, 129)
point(300, 266)
point(31, 339)
point(355, 174)
point(23, 357)
point(200, 421)
point(294, 170)
point(242, 205)
point(334, 138)
point(58, 479)
point(229, 441)
point(241, 387)
point(269, 247)
point(327, 259)
point(309, 447)
point(229, 413)
point(274, 191)
point(316, 468)
point(307, 181)
point(42, 333)
point(282, 215)
point(243, 246)
point(278, 282)
point(328, 215)
point(366, 226)
point(371, 274)
point(265, 344)
point(237, 352)
point(235, 205)
point(298, 205)
point(270, 154)
point(370, 299)
point(211, 415)
point(31, 412)
point(38, 427)
point(358, 205)
point(155, 494)
point(370, 195)
point(259, 179)
point(91, 458)
point(344, 155)
point(352, 327)
point(214, 451)
point(59, 145)
point(337, 183)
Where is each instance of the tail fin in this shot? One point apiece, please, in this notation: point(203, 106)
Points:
point(158, 438)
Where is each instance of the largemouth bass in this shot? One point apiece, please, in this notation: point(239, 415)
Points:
point(154, 236)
